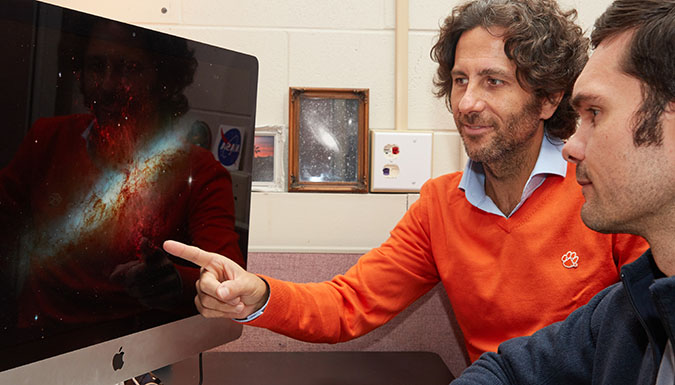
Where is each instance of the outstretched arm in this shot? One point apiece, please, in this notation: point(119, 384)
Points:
point(224, 288)
point(382, 283)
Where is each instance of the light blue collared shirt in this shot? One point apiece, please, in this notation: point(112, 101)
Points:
point(550, 161)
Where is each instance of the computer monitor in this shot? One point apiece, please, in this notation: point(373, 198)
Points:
point(114, 138)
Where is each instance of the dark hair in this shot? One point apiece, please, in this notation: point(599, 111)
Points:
point(650, 57)
point(173, 60)
point(547, 47)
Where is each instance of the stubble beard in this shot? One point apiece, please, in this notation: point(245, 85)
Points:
point(605, 220)
point(506, 143)
point(627, 208)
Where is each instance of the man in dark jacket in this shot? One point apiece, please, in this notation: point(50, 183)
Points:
point(624, 150)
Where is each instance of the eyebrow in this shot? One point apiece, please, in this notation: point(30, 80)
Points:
point(494, 71)
point(485, 72)
point(579, 99)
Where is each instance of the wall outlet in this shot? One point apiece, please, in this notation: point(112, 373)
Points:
point(401, 160)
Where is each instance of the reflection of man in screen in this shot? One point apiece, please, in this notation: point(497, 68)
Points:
point(88, 198)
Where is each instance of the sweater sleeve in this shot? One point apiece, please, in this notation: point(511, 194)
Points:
point(381, 284)
point(561, 353)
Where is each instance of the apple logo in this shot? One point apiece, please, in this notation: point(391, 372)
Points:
point(118, 360)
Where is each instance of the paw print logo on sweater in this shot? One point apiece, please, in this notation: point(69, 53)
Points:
point(570, 260)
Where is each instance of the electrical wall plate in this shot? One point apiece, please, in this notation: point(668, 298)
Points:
point(401, 160)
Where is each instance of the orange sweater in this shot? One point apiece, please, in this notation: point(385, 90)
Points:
point(505, 277)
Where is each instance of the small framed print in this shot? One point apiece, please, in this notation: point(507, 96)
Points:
point(269, 154)
point(328, 140)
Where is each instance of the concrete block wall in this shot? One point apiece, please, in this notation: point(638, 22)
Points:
point(322, 43)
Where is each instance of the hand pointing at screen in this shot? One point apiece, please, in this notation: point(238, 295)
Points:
point(224, 288)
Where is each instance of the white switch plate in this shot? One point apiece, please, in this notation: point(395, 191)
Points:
point(400, 160)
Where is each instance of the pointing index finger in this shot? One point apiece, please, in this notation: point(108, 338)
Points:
point(189, 253)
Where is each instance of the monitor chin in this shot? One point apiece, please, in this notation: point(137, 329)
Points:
point(122, 358)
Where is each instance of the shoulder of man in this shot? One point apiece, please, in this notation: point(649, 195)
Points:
point(442, 183)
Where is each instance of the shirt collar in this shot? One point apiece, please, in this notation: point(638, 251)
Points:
point(549, 162)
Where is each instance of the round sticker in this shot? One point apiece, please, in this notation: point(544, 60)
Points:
point(229, 147)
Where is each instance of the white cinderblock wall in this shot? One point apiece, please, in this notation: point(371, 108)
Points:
point(322, 43)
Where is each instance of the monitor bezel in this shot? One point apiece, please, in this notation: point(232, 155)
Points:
point(148, 349)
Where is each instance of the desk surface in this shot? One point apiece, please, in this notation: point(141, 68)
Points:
point(315, 368)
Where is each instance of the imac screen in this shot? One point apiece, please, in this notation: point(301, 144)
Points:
point(115, 138)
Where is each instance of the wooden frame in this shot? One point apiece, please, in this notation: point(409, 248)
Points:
point(328, 140)
point(273, 139)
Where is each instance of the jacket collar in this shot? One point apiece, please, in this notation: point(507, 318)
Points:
point(649, 292)
point(663, 293)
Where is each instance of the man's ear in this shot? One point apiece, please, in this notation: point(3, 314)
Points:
point(669, 114)
point(550, 104)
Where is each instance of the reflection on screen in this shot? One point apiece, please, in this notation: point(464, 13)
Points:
point(118, 162)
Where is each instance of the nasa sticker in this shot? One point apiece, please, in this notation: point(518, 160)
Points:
point(229, 146)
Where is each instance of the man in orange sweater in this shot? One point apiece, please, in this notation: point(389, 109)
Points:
point(505, 236)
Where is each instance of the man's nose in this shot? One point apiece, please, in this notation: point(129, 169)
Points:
point(471, 100)
point(574, 151)
point(110, 78)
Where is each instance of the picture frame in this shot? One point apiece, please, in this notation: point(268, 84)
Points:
point(269, 158)
point(328, 140)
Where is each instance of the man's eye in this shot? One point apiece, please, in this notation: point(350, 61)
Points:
point(495, 82)
point(461, 81)
point(590, 114)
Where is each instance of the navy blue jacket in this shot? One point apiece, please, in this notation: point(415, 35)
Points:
point(617, 338)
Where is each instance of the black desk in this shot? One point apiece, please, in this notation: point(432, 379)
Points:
point(315, 368)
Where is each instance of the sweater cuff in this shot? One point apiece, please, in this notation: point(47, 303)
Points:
point(258, 312)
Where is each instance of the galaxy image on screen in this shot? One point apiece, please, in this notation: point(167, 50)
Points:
point(106, 171)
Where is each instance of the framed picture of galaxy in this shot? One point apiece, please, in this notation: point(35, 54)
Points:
point(269, 155)
point(327, 140)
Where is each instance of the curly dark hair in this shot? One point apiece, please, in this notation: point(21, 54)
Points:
point(650, 57)
point(173, 60)
point(547, 47)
